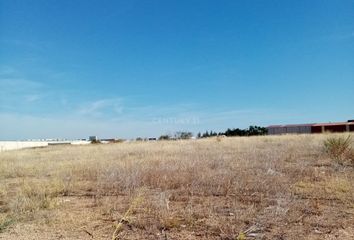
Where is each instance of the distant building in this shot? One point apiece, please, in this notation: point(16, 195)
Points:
point(311, 128)
point(93, 138)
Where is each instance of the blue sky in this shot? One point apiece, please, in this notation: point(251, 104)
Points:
point(71, 69)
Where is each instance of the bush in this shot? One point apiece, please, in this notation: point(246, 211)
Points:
point(164, 137)
point(4, 223)
point(338, 148)
point(183, 135)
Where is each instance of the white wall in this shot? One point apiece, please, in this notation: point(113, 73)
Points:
point(80, 142)
point(12, 145)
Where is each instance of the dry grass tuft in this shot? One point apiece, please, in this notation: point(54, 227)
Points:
point(338, 148)
point(127, 217)
point(31, 198)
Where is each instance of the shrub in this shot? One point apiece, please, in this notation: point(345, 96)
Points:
point(338, 148)
point(164, 137)
point(4, 223)
point(183, 135)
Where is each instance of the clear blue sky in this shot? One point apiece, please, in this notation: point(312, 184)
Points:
point(144, 68)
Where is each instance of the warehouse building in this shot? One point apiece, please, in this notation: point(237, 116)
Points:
point(311, 128)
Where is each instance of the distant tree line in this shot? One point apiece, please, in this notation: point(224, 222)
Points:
point(251, 131)
point(177, 135)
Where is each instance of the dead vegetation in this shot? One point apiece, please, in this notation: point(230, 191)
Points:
point(339, 148)
point(276, 187)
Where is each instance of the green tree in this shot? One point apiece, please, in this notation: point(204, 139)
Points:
point(183, 135)
point(164, 137)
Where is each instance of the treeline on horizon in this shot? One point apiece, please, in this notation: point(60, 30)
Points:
point(250, 131)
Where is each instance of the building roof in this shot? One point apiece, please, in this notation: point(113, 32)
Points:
point(293, 125)
point(333, 124)
point(312, 124)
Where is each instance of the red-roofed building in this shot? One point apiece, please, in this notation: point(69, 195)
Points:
point(311, 128)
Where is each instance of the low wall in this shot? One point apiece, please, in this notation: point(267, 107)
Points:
point(80, 142)
point(13, 145)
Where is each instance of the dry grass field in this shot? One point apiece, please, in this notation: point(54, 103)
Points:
point(270, 187)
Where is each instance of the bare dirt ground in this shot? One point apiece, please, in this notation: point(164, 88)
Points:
point(271, 187)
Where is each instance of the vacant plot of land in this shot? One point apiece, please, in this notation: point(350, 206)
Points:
point(279, 187)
